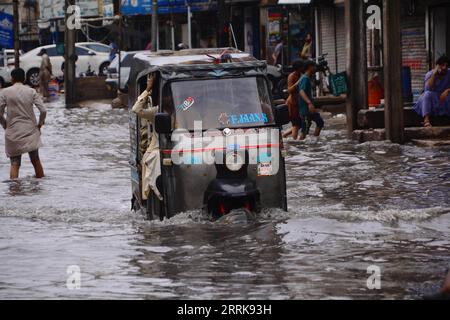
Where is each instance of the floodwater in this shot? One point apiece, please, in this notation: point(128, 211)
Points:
point(351, 207)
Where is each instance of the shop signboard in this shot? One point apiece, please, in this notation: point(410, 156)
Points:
point(6, 30)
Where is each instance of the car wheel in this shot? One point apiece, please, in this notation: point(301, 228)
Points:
point(272, 85)
point(33, 77)
point(103, 69)
point(282, 89)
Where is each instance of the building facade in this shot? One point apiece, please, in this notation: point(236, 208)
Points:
point(28, 22)
point(425, 27)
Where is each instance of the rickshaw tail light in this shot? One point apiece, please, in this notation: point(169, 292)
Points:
point(222, 209)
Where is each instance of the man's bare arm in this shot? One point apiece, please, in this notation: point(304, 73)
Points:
point(308, 101)
point(144, 107)
point(292, 86)
point(305, 97)
point(444, 95)
point(430, 82)
point(37, 101)
point(275, 58)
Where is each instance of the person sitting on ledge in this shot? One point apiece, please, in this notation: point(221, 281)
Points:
point(435, 101)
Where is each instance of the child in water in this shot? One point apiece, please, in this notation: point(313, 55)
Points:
point(308, 112)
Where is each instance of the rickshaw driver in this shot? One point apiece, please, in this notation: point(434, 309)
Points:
point(151, 169)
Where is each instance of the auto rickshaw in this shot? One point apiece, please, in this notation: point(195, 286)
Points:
point(218, 130)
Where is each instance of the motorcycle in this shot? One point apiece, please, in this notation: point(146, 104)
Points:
point(278, 76)
point(322, 82)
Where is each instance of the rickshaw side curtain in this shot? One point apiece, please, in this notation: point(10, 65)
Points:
point(151, 168)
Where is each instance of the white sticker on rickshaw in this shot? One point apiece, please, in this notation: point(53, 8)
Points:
point(189, 102)
point(265, 169)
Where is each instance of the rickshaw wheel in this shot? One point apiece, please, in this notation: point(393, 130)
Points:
point(219, 208)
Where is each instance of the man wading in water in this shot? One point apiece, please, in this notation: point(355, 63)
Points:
point(45, 73)
point(308, 111)
point(22, 132)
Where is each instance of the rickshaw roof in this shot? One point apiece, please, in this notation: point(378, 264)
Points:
point(193, 64)
point(192, 56)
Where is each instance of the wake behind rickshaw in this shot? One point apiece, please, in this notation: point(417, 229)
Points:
point(219, 145)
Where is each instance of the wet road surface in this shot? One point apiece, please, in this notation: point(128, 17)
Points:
point(351, 207)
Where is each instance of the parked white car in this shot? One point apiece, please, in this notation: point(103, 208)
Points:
point(96, 46)
point(88, 60)
point(9, 54)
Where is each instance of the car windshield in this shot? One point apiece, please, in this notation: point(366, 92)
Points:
point(220, 103)
point(32, 52)
point(97, 47)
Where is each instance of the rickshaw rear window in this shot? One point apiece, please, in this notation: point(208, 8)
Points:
point(221, 103)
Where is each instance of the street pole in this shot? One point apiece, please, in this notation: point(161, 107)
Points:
point(393, 110)
point(154, 25)
point(189, 25)
point(16, 34)
point(355, 26)
point(319, 89)
point(221, 20)
point(172, 32)
point(69, 57)
point(120, 40)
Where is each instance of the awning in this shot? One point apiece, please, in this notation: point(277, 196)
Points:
point(294, 1)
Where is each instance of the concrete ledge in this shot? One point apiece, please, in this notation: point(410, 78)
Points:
point(92, 88)
point(334, 108)
point(279, 102)
point(329, 100)
point(374, 119)
point(427, 133)
point(369, 135)
point(328, 104)
point(431, 143)
point(411, 134)
point(331, 104)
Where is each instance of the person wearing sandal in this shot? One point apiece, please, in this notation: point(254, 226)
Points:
point(435, 101)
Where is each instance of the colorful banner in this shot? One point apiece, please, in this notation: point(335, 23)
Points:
point(274, 27)
point(54, 9)
point(6, 30)
point(135, 7)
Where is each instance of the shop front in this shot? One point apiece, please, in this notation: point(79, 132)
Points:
point(174, 25)
point(425, 29)
point(244, 27)
point(290, 21)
